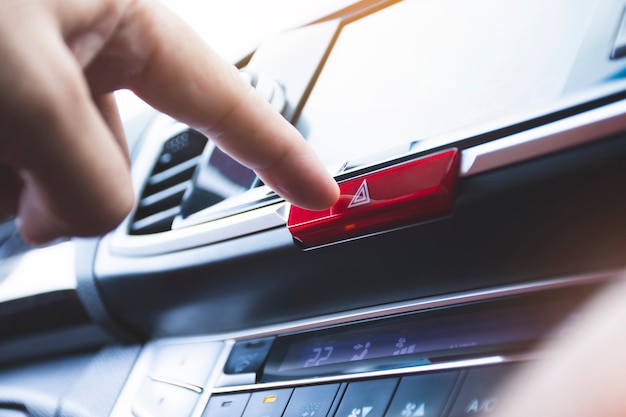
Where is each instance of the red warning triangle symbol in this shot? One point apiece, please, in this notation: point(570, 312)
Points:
point(361, 197)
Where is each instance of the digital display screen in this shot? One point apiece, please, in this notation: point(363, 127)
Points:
point(421, 68)
point(426, 342)
point(495, 327)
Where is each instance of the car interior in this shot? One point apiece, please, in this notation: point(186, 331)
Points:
point(480, 150)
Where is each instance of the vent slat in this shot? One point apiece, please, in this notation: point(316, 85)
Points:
point(174, 171)
point(160, 200)
point(166, 194)
point(156, 223)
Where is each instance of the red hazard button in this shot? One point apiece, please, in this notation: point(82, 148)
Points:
point(392, 197)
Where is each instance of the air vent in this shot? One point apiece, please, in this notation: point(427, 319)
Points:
point(170, 178)
point(191, 175)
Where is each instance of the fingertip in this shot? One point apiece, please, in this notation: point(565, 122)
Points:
point(326, 195)
point(312, 188)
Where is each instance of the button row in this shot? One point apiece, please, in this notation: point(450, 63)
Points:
point(462, 393)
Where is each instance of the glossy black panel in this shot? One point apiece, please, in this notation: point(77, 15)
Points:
point(550, 217)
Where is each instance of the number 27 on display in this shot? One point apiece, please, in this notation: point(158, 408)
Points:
point(319, 355)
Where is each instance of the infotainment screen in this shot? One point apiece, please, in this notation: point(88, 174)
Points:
point(420, 68)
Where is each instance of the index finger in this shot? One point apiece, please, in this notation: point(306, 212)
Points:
point(179, 75)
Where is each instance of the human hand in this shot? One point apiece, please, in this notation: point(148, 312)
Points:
point(64, 168)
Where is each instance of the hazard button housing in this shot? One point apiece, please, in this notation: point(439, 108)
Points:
point(385, 199)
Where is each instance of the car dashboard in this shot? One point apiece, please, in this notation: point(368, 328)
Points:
point(479, 148)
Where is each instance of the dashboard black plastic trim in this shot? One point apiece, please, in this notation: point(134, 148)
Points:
point(516, 224)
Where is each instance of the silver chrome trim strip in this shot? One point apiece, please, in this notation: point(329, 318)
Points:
point(233, 204)
point(427, 303)
point(565, 133)
point(177, 383)
point(487, 360)
point(252, 221)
